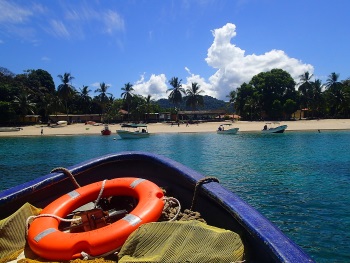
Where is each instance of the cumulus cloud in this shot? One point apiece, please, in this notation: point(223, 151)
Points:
point(233, 67)
point(156, 86)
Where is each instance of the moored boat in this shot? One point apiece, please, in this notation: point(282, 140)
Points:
point(262, 241)
point(106, 130)
point(10, 129)
point(59, 124)
point(133, 131)
point(274, 127)
point(227, 130)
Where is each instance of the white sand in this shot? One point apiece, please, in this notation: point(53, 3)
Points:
point(244, 126)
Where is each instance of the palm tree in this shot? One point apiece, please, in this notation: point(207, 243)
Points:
point(317, 95)
point(305, 88)
point(66, 90)
point(148, 103)
point(176, 91)
point(103, 99)
point(334, 90)
point(233, 98)
point(127, 94)
point(194, 98)
point(85, 99)
point(24, 103)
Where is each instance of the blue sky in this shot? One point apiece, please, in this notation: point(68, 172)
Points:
point(217, 43)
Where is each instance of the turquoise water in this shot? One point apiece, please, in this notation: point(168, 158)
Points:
point(298, 180)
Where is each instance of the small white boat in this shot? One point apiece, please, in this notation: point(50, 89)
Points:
point(274, 127)
point(133, 131)
point(60, 124)
point(227, 130)
point(10, 129)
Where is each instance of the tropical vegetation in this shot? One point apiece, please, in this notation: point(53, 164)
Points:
point(268, 95)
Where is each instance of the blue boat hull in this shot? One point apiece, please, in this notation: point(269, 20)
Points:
point(263, 241)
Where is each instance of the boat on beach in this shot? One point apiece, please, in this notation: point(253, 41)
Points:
point(59, 124)
point(125, 186)
point(226, 129)
point(10, 129)
point(274, 127)
point(133, 131)
point(106, 130)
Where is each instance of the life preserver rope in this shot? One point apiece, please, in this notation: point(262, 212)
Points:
point(100, 193)
point(47, 241)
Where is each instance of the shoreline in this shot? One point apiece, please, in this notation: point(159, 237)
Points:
point(159, 128)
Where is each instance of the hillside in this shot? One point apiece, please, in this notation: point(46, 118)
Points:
point(210, 103)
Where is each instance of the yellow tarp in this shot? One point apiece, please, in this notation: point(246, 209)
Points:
point(13, 232)
point(181, 241)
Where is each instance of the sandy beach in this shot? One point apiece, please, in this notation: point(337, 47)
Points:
point(244, 126)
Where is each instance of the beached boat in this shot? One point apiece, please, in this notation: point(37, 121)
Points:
point(226, 129)
point(133, 131)
point(106, 130)
point(10, 129)
point(241, 233)
point(59, 124)
point(274, 127)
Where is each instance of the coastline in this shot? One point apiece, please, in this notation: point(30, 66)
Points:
point(155, 128)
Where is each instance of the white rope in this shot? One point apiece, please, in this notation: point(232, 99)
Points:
point(100, 194)
point(86, 256)
point(170, 199)
point(50, 215)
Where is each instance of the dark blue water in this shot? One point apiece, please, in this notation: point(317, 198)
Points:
point(298, 180)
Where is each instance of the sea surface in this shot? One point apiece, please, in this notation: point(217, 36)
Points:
point(298, 180)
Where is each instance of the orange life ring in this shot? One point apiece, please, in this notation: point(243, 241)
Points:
point(47, 241)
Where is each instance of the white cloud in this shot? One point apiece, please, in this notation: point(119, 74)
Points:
point(234, 67)
point(13, 14)
point(113, 22)
point(106, 21)
point(58, 29)
point(44, 58)
point(156, 86)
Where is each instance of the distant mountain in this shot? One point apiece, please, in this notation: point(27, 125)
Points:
point(6, 72)
point(210, 103)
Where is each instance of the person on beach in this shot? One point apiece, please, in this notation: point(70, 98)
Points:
point(42, 131)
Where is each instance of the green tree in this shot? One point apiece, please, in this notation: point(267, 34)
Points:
point(24, 104)
point(232, 99)
point(317, 100)
point(103, 98)
point(334, 93)
point(66, 89)
point(148, 103)
point(243, 98)
point(289, 107)
point(194, 97)
point(306, 91)
point(40, 80)
point(271, 86)
point(85, 99)
point(176, 91)
point(127, 95)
